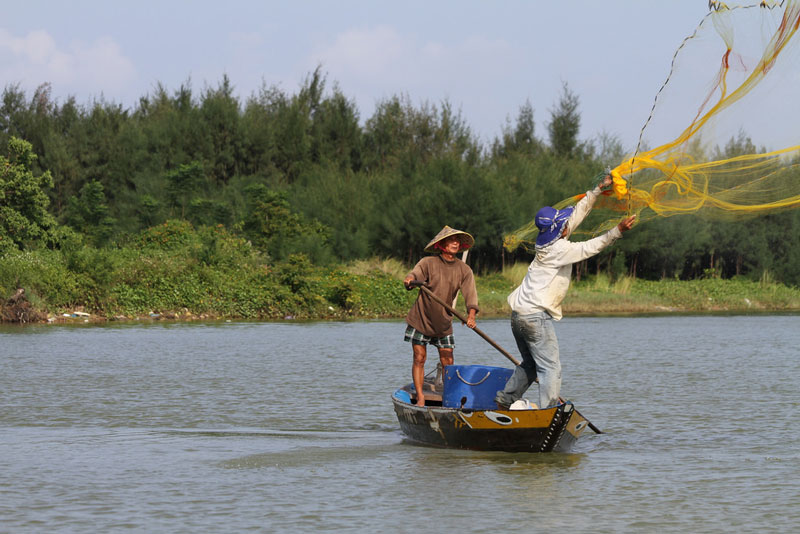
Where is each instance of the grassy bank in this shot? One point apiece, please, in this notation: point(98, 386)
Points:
point(212, 275)
point(599, 295)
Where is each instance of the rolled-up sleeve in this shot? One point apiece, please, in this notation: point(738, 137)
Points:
point(418, 272)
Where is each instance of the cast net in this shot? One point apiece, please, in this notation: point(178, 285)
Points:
point(735, 79)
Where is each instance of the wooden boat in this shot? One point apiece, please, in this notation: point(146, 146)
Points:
point(462, 414)
point(534, 430)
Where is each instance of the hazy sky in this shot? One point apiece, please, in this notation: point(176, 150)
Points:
point(486, 58)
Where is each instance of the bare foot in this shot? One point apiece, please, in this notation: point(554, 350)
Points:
point(421, 401)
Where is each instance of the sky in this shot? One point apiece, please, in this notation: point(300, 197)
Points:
point(486, 58)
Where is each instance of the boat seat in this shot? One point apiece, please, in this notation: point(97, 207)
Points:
point(432, 396)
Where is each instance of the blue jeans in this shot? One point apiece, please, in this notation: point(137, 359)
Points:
point(536, 339)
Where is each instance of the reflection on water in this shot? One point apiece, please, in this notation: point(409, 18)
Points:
point(290, 427)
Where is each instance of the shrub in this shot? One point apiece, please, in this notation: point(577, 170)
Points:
point(170, 235)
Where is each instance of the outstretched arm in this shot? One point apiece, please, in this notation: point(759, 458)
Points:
point(584, 205)
point(570, 252)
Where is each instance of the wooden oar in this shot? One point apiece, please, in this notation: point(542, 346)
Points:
point(422, 287)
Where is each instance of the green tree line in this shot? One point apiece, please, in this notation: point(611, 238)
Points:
point(302, 173)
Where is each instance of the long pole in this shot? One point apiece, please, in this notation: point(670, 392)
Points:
point(464, 320)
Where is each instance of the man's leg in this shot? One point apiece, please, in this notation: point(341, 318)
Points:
point(548, 364)
point(446, 356)
point(525, 332)
point(418, 370)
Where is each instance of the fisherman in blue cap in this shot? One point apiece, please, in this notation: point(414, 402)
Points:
point(536, 303)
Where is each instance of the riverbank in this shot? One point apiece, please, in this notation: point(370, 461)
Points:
point(159, 289)
point(599, 295)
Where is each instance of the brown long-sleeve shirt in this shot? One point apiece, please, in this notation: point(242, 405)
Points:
point(444, 279)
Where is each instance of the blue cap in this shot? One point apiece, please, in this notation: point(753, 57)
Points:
point(550, 223)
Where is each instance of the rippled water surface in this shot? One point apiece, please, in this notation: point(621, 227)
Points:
point(289, 427)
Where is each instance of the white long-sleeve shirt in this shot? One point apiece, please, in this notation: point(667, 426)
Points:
point(547, 281)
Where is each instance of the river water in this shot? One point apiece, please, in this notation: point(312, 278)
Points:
point(289, 427)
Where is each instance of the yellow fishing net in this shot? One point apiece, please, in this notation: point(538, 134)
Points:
point(725, 79)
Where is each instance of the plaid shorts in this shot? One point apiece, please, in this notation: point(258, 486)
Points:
point(418, 338)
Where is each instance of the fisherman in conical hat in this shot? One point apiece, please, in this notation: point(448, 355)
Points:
point(536, 303)
point(428, 321)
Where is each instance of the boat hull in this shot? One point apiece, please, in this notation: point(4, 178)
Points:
point(552, 429)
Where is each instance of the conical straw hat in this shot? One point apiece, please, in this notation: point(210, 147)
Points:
point(466, 239)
